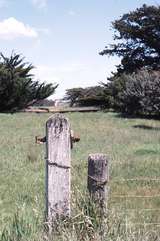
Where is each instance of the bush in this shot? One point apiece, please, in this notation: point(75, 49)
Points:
point(134, 94)
point(142, 93)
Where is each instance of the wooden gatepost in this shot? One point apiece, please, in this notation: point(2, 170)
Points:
point(58, 168)
point(98, 178)
point(59, 141)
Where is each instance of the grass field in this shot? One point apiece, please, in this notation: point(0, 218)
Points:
point(133, 147)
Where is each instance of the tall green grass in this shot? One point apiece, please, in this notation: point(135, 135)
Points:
point(132, 146)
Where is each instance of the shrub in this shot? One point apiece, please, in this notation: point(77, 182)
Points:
point(142, 93)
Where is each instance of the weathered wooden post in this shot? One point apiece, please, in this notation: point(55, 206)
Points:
point(98, 177)
point(58, 158)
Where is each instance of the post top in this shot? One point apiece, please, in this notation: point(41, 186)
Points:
point(97, 156)
point(56, 118)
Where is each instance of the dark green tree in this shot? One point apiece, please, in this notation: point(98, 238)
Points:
point(89, 96)
point(73, 95)
point(92, 96)
point(137, 40)
point(17, 87)
point(112, 92)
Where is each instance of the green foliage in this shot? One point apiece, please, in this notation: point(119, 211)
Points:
point(137, 37)
point(73, 95)
point(17, 87)
point(113, 90)
point(90, 96)
point(142, 93)
point(135, 94)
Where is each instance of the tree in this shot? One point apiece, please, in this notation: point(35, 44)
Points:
point(73, 95)
point(17, 87)
point(113, 90)
point(89, 96)
point(137, 40)
point(92, 96)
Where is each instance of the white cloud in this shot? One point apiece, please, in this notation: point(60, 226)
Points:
point(11, 28)
point(41, 4)
point(72, 13)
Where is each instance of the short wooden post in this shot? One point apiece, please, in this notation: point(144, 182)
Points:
point(58, 152)
point(98, 177)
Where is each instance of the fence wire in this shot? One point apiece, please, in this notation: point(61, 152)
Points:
point(136, 210)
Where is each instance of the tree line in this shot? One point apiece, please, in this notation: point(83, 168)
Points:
point(133, 89)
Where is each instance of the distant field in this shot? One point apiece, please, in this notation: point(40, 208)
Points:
point(133, 147)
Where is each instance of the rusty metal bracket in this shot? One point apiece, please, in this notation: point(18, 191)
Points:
point(74, 138)
point(42, 140)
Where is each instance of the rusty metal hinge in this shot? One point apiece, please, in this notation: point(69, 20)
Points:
point(42, 140)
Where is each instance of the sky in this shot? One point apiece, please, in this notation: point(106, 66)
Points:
point(63, 38)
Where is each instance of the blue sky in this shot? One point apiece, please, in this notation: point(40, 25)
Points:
point(62, 38)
